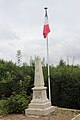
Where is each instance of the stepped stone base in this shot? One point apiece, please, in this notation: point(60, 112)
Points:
point(40, 105)
point(44, 112)
point(41, 108)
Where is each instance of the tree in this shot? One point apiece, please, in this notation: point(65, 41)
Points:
point(61, 62)
point(19, 57)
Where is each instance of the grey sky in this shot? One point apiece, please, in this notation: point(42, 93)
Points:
point(21, 27)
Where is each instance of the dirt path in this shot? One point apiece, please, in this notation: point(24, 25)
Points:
point(22, 117)
point(60, 114)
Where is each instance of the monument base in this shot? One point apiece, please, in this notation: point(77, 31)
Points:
point(40, 112)
point(41, 108)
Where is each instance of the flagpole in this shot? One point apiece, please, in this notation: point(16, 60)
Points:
point(46, 30)
point(48, 69)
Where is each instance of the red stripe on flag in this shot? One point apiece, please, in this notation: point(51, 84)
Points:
point(46, 30)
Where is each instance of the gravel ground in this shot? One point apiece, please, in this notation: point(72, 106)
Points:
point(60, 114)
point(17, 117)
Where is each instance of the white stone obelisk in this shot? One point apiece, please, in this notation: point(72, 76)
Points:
point(40, 105)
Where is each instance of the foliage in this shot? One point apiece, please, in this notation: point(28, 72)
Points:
point(19, 56)
point(16, 80)
point(2, 108)
point(17, 104)
point(61, 62)
point(65, 84)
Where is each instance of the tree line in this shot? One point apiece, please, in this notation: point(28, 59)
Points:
point(18, 80)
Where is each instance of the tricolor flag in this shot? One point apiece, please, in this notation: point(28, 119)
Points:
point(46, 28)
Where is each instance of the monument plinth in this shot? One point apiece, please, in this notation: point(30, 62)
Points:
point(40, 105)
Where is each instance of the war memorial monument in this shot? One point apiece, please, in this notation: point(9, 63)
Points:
point(40, 104)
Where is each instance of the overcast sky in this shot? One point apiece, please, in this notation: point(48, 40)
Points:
point(21, 27)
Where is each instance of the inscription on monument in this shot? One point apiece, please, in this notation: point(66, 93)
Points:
point(38, 95)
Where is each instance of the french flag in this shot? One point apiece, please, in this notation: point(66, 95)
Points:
point(46, 28)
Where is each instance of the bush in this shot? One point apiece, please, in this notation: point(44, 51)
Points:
point(2, 108)
point(17, 103)
point(65, 86)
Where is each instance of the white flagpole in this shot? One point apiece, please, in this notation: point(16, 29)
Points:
point(45, 32)
point(48, 70)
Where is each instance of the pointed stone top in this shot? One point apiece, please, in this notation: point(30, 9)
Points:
point(37, 58)
point(39, 80)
